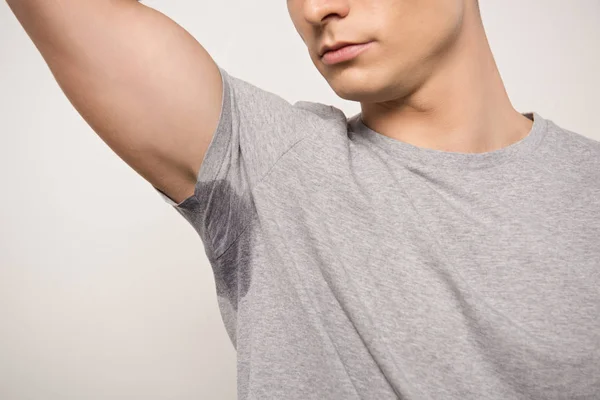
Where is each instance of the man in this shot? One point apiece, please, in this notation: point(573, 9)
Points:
point(438, 245)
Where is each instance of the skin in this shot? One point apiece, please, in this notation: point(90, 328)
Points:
point(429, 77)
point(152, 92)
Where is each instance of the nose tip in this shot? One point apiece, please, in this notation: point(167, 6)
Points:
point(319, 12)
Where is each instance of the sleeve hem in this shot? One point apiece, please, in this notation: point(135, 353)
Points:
point(215, 152)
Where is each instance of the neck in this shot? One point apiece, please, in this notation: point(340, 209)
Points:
point(461, 106)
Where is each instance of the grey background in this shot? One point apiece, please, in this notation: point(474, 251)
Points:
point(105, 291)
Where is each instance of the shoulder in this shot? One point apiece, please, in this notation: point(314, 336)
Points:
point(576, 144)
point(576, 156)
point(324, 118)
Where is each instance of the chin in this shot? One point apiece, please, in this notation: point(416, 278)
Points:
point(358, 87)
point(359, 94)
point(372, 85)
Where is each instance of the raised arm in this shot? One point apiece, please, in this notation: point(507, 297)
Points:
point(143, 83)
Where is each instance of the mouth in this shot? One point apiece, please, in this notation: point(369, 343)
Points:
point(335, 46)
point(343, 52)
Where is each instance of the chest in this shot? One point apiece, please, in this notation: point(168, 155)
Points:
point(501, 273)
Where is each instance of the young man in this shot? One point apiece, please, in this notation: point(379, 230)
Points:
point(438, 245)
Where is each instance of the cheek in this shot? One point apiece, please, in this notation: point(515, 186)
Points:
point(297, 18)
point(417, 29)
point(416, 19)
point(300, 29)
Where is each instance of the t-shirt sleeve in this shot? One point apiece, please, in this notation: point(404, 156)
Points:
point(255, 129)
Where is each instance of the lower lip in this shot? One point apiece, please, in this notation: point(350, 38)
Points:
point(344, 54)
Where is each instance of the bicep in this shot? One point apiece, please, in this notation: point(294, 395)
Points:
point(144, 85)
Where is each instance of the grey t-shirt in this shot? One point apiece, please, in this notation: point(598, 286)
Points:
point(350, 265)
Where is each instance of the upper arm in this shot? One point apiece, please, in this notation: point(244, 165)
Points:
point(143, 83)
